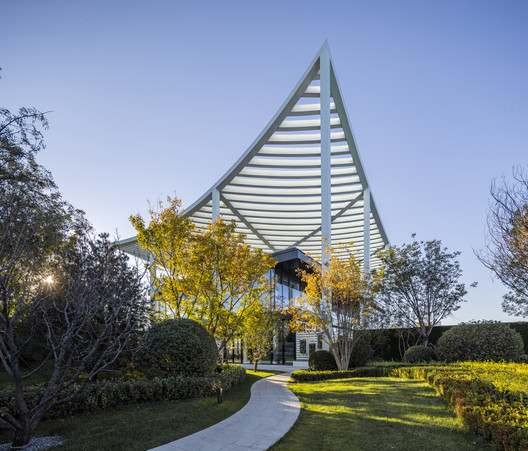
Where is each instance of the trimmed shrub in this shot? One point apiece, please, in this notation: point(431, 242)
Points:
point(177, 347)
point(523, 358)
point(478, 341)
point(362, 352)
point(322, 361)
point(489, 397)
point(419, 353)
point(309, 375)
point(114, 393)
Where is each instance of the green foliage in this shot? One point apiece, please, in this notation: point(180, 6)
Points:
point(522, 328)
point(491, 398)
point(417, 354)
point(177, 347)
point(377, 369)
point(480, 341)
point(210, 275)
point(523, 358)
point(338, 301)
point(68, 301)
point(322, 360)
point(259, 330)
point(309, 375)
point(422, 284)
point(375, 414)
point(168, 239)
point(362, 352)
point(114, 393)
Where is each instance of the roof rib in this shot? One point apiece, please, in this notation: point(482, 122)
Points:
point(274, 189)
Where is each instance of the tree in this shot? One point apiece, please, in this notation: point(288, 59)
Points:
point(338, 302)
point(260, 328)
point(169, 240)
point(76, 294)
point(20, 139)
point(506, 252)
point(232, 280)
point(212, 276)
point(421, 285)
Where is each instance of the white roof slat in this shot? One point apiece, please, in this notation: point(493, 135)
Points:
point(259, 161)
point(309, 183)
point(291, 173)
point(304, 138)
point(310, 109)
point(307, 124)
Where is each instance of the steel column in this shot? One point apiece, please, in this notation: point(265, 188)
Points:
point(366, 229)
point(326, 162)
point(216, 204)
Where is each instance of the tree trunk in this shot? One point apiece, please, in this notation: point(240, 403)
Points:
point(220, 354)
point(255, 363)
point(22, 435)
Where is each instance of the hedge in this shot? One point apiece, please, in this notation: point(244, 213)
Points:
point(385, 341)
point(418, 354)
point(480, 341)
point(308, 376)
point(491, 398)
point(487, 405)
point(378, 369)
point(114, 393)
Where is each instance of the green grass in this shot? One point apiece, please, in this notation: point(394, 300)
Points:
point(375, 414)
point(144, 426)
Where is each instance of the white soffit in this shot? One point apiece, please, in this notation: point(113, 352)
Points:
point(273, 191)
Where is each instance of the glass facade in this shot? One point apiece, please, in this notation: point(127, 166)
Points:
point(287, 284)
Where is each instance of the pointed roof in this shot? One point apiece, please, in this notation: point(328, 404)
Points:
point(273, 191)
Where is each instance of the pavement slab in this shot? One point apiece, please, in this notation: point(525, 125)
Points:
point(269, 414)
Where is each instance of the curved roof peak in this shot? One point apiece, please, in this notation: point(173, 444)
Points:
point(274, 190)
point(301, 182)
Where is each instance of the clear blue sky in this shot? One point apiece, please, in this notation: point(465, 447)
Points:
point(159, 98)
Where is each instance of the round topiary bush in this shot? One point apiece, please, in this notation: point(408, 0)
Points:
point(419, 354)
point(322, 360)
point(523, 358)
point(177, 347)
point(362, 352)
point(480, 340)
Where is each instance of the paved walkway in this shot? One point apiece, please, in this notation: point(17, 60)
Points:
point(270, 413)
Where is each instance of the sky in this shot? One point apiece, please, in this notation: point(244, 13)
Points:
point(158, 98)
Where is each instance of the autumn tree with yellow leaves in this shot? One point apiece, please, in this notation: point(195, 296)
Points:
point(212, 276)
point(233, 280)
point(260, 329)
point(168, 238)
point(338, 302)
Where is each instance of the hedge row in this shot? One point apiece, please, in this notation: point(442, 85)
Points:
point(114, 393)
point(379, 369)
point(385, 342)
point(491, 398)
point(501, 416)
point(308, 376)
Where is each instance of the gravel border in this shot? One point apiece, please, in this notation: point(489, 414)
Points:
point(38, 443)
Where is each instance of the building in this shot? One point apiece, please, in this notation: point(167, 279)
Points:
point(300, 186)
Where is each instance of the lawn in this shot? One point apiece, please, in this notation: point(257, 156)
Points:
point(375, 414)
point(145, 426)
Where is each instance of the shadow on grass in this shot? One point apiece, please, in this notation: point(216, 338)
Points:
point(145, 426)
point(377, 414)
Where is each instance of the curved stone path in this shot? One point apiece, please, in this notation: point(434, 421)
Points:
point(270, 413)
